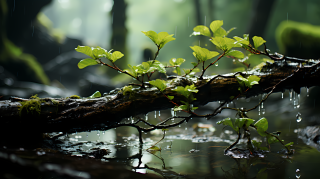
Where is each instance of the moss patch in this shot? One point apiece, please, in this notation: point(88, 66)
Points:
point(32, 106)
point(74, 97)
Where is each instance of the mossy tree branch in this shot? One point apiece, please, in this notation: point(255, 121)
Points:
point(78, 115)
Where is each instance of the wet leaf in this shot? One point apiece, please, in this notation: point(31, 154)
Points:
point(203, 54)
point(215, 25)
point(201, 30)
point(116, 55)
point(159, 39)
point(176, 61)
point(170, 97)
point(156, 65)
point(241, 40)
point(235, 53)
point(85, 50)
point(96, 94)
point(220, 32)
point(262, 126)
point(99, 52)
point(272, 139)
point(87, 62)
point(160, 84)
point(229, 122)
point(258, 41)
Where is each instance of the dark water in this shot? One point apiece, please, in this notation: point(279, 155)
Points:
point(188, 152)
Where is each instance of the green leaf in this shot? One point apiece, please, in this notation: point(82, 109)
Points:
point(181, 107)
point(96, 94)
point(133, 72)
point(220, 32)
point(215, 25)
point(194, 63)
point(203, 54)
point(170, 97)
point(85, 50)
point(99, 52)
point(176, 61)
point(152, 35)
point(262, 126)
point(229, 122)
point(187, 92)
point(224, 43)
point(288, 144)
point(159, 39)
point(164, 38)
point(160, 84)
point(201, 30)
point(87, 62)
point(235, 53)
point(241, 40)
point(156, 65)
point(116, 55)
point(154, 148)
point(258, 41)
point(272, 139)
point(230, 30)
point(253, 80)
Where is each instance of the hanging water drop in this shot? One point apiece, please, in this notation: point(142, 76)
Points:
point(261, 104)
point(155, 114)
point(298, 101)
point(146, 118)
point(299, 118)
point(172, 112)
point(216, 64)
point(159, 113)
point(259, 110)
point(281, 95)
point(191, 107)
point(87, 134)
point(98, 133)
point(290, 92)
point(103, 132)
point(263, 111)
point(307, 92)
point(227, 104)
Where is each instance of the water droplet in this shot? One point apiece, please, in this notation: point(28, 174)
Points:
point(281, 95)
point(299, 118)
point(159, 113)
point(172, 112)
point(216, 64)
point(98, 133)
point(134, 79)
point(290, 95)
point(227, 104)
point(259, 110)
point(103, 132)
point(101, 64)
point(87, 134)
point(146, 118)
point(261, 105)
point(155, 114)
point(179, 125)
point(119, 71)
point(191, 107)
point(307, 92)
point(263, 111)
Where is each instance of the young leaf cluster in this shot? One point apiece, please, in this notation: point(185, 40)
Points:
point(187, 92)
point(247, 82)
point(261, 127)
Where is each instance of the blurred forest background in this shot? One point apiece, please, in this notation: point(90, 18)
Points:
point(38, 37)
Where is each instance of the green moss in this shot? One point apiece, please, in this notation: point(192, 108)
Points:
point(32, 106)
point(74, 97)
point(290, 34)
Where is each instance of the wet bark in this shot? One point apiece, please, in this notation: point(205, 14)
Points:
point(77, 115)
